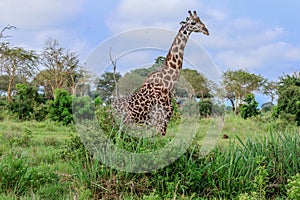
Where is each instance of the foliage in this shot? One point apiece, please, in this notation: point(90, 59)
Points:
point(17, 176)
point(3, 109)
point(61, 68)
point(248, 167)
point(106, 119)
point(25, 101)
point(60, 109)
point(130, 82)
point(144, 72)
point(199, 83)
point(133, 79)
point(250, 108)
point(205, 107)
point(83, 108)
point(270, 89)
point(98, 101)
point(16, 61)
point(238, 84)
point(293, 187)
point(289, 98)
point(105, 86)
point(19, 139)
point(176, 117)
point(266, 107)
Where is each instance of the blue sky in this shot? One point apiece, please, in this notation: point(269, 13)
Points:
point(260, 36)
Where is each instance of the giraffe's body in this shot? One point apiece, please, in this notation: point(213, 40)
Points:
point(151, 104)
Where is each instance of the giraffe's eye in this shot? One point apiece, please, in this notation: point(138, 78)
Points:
point(193, 23)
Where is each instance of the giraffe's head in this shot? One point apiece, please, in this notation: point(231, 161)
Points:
point(194, 24)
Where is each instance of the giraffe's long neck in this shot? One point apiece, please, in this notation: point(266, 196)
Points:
point(169, 74)
point(174, 57)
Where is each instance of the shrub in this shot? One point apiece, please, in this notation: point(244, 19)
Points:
point(266, 107)
point(205, 108)
point(293, 187)
point(250, 108)
point(24, 102)
point(83, 108)
point(60, 109)
point(288, 97)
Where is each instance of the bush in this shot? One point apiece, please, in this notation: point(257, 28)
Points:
point(266, 107)
point(24, 102)
point(250, 108)
point(3, 109)
point(289, 97)
point(293, 187)
point(60, 109)
point(83, 108)
point(28, 104)
point(205, 108)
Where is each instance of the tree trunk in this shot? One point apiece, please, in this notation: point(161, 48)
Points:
point(236, 106)
point(232, 104)
point(11, 80)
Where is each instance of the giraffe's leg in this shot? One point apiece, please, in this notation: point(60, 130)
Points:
point(167, 117)
point(163, 117)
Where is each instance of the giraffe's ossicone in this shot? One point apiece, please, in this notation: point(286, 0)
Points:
point(151, 103)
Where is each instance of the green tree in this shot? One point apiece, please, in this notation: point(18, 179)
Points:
point(205, 107)
point(83, 108)
point(249, 109)
point(25, 101)
point(60, 109)
point(199, 84)
point(130, 82)
point(238, 84)
point(289, 97)
point(133, 80)
point(61, 68)
point(266, 107)
point(105, 85)
point(270, 89)
point(144, 72)
point(16, 61)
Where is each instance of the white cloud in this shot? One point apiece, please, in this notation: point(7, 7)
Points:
point(235, 42)
point(136, 13)
point(216, 14)
point(37, 13)
point(264, 56)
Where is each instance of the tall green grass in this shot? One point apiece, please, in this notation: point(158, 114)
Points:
point(249, 167)
point(256, 162)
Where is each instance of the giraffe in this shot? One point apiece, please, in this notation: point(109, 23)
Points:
point(151, 103)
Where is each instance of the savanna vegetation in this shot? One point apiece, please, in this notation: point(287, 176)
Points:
point(42, 155)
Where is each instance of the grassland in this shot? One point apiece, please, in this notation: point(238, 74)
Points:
point(46, 160)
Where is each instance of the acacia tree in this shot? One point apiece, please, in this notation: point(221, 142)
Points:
point(270, 89)
point(238, 84)
point(16, 62)
point(61, 68)
point(199, 84)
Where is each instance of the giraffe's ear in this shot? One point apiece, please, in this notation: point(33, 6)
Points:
point(182, 23)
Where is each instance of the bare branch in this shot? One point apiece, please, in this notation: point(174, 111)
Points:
point(114, 63)
point(8, 27)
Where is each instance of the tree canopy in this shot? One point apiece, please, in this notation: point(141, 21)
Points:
point(16, 61)
point(61, 68)
point(238, 84)
point(288, 105)
point(200, 85)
